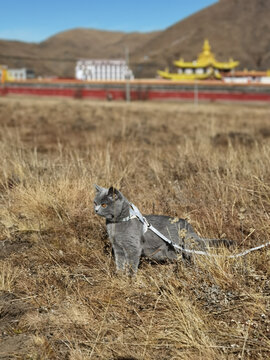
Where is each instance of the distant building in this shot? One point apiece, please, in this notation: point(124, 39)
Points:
point(87, 69)
point(3, 73)
point(20, 74)
point(7, 74)
point(205, 67)
point(248, 77)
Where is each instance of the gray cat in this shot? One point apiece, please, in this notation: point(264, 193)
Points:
point(131, 239)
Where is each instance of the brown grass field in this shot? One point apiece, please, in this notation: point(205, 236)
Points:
point(60, 297)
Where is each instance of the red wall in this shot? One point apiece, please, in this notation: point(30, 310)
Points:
point(149, 94)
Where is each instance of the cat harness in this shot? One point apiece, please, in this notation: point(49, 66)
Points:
point(134, 212)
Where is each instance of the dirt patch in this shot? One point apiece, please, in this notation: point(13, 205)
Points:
point(13, 343)
point(11, 309)
point(16, 347)
point(233, 138)
point(264, 132)
point(8, 247)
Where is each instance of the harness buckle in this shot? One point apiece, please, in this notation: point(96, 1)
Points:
point(146, 222)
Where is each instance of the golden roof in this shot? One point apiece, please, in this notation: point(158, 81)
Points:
point(175, 76)
point(205, 59)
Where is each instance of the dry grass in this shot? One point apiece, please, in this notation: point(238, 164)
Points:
point(59, 293)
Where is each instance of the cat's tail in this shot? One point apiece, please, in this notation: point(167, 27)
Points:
point(218, 242)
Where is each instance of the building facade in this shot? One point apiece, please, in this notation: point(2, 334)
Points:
point(205, 67)
point(87, 69)
point(248, 77)
point(20, 74)
point(7, 74)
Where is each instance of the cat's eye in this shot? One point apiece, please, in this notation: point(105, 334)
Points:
point(104, 205)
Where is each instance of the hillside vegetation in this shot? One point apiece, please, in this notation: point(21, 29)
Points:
point(60, 297)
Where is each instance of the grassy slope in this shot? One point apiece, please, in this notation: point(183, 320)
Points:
point(59, 295)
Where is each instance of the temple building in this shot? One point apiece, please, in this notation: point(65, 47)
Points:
point(112, 70)
point(7, 74)
point(205, 67)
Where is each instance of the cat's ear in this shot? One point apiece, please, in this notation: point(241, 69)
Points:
point(99, 188)
point(114, 194)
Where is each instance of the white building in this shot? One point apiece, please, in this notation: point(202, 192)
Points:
point(248, 77)
point(20, 74)
point(102, 70)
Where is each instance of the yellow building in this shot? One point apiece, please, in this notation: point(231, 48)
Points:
point(3, 73)
point(205, 67)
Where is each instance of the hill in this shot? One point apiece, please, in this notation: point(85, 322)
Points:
point(58, 54)
point(235, 28)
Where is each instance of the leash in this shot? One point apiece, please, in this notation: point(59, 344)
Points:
point(135, 213)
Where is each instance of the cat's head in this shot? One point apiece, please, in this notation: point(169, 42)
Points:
point(108, 202)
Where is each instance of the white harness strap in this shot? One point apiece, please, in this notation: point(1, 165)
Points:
point(146, 226)
point(127, 218)
point(135, 213)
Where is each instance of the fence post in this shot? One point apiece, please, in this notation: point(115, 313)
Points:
point(127, 75)
point(196, 93)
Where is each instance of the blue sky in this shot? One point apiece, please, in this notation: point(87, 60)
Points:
point(36, 20)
